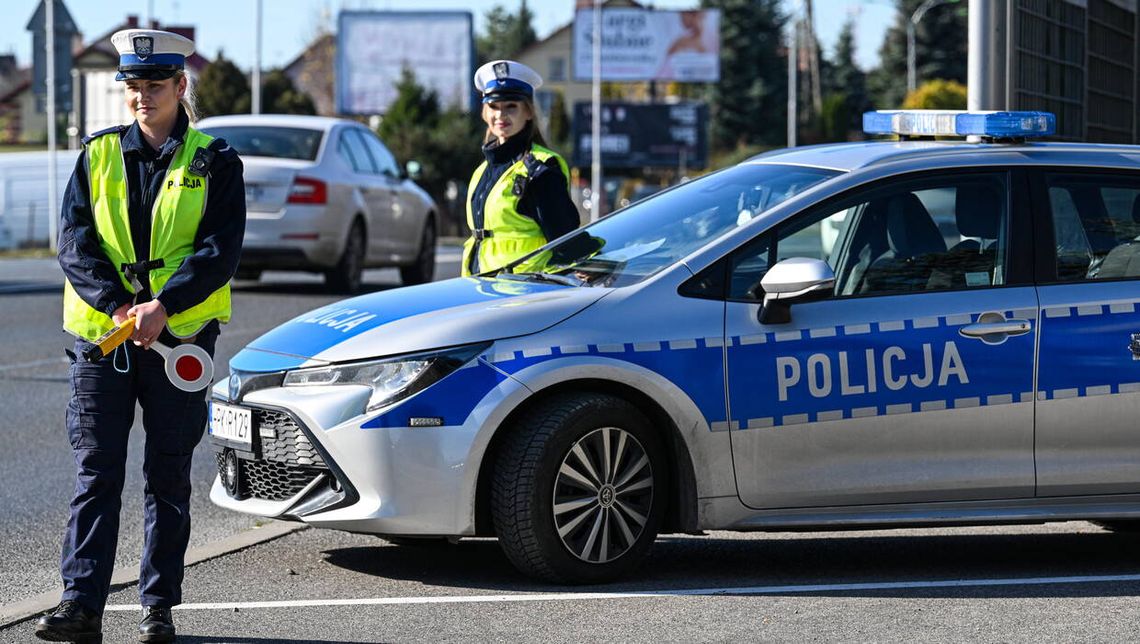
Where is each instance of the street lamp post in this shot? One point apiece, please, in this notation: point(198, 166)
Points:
point(911, 80)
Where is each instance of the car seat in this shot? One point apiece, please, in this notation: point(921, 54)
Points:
point(970, 262)
point(1124, 259)
point(914, 244)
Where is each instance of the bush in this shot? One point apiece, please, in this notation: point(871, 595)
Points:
point(937, 95)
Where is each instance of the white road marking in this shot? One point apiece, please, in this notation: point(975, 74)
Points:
point(656, 594)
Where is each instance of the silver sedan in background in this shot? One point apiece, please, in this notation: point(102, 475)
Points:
point(325, 195)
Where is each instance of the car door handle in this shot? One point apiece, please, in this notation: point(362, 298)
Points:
point(1004, 327)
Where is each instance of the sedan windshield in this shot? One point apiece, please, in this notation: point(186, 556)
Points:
point(648, 236)
point(270, 141)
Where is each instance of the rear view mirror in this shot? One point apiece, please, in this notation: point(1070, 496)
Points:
point(794, 280)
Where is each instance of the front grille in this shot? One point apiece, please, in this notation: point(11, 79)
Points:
point(288, 460)
point(290, 445)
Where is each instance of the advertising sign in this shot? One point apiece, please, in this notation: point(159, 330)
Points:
point(643, 45)
point(374, 47)
point(641, 135)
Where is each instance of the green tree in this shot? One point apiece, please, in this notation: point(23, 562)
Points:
point(940, 51)
point(558, 123)
point(847, 78)
point(280, 96)
point(835, 117)
point(748, 104)
point(505, 33)
point(444, 142)
point(222, 89)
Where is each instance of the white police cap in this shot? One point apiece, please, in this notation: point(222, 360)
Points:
point(150, 54)
point(506, 80)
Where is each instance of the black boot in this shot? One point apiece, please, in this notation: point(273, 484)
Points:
point(156, 625)
point(71, 622)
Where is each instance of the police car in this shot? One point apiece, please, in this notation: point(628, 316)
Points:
point(879, 334)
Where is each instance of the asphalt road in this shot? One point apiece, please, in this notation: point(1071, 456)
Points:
point(36, 467)
point(1053, 583)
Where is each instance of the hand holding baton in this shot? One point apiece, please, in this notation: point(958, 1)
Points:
point(188, 366)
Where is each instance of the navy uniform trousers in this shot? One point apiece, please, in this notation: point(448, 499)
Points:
point(99, 419)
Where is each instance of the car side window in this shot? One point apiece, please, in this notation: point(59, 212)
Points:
point(922, 235)
point(355, 152)
point(385, 162)
point(1096, 226)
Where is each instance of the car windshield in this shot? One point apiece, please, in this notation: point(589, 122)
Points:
point(270, 141)
point(648, 236)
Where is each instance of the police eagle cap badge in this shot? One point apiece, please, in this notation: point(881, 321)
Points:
point(502, 70)
point(144, 46)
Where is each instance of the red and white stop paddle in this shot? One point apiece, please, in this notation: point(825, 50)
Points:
point(188, 366)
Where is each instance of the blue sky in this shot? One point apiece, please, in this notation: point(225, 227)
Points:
point(290, 24)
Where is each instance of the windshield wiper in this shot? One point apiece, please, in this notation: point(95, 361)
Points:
point(565, 280)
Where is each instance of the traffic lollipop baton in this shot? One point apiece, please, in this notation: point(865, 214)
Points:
point(188, 366)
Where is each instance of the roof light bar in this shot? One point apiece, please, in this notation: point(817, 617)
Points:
point(959, 123)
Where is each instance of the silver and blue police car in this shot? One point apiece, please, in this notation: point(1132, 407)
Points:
point(892, 333)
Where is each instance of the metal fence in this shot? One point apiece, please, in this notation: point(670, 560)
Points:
point(24, 199)
point(1079, 60)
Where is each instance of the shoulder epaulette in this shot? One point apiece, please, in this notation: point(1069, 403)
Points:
point(114, 129)
point(224, 151)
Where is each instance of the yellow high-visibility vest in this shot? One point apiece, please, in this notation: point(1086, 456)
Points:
point(512, 234)
point(178, 210)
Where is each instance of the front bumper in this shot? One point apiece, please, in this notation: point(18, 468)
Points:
point(332, 466)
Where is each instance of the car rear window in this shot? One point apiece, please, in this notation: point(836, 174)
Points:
point(271, 141)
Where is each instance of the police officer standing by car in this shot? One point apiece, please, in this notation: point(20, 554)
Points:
point(151, 231)
point(518, 198)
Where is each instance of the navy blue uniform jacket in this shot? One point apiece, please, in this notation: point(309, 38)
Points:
point(217, 246)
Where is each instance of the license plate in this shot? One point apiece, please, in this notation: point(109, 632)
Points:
point(230, 423)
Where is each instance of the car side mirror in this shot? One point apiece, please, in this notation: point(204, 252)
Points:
point(793, 281)
point(413, 170)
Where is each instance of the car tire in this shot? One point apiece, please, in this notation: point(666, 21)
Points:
point(423, 269)
point(348, 274)
point(579, 489)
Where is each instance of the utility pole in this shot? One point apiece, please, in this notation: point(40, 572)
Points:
point(911, 27)
point(49, 38)
point(596, 196)
point(813, 59)
point(792, 47)
point(256, 103)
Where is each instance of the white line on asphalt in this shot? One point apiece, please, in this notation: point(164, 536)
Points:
point(683, 592)
point(35, 363)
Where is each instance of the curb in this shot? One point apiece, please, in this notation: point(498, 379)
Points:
point(16, 612)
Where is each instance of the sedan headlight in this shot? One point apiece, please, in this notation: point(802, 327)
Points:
point(391, 379)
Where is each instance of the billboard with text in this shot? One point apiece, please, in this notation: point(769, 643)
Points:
point(644, 44)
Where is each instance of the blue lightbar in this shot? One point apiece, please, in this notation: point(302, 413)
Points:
point(959, 123)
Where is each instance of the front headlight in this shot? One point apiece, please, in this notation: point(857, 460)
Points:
point(391, 379)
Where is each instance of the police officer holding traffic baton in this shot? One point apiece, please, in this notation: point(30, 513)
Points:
point(152, 223)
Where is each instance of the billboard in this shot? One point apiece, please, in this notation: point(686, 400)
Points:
point(643, 135)
point(373, 48)
point(644, 44)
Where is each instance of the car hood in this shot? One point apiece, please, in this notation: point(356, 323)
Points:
point(430, 316)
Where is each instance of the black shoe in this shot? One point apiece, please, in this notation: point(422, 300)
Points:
point(156, 625)
point(71, 622)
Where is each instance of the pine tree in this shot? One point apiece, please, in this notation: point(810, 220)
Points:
point(505, 33)
point(748, 104)
point(279, 96)
point(847, 78)
point(222, 89)
point(940, 51)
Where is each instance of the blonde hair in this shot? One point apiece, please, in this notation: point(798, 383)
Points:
point(189, 99)
point(535, 121)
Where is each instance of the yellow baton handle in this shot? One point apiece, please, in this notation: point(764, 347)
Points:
point(107, 342)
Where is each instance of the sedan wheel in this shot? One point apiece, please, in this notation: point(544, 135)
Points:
point(347, 276)
point(579, 489)
point(423, 269)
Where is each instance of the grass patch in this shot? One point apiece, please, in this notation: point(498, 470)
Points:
point(27, 253)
